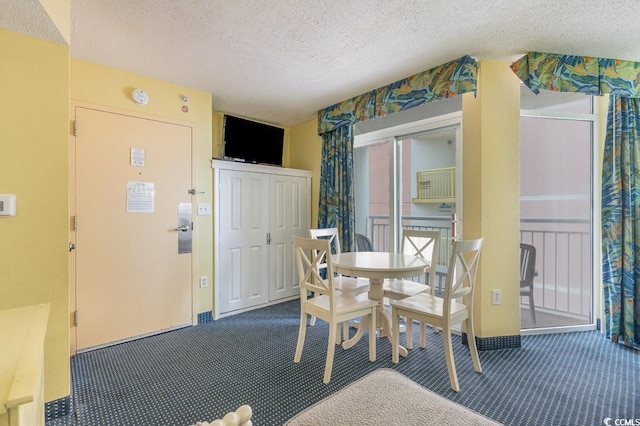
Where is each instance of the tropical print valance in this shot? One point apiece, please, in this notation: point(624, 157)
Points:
point(444, 81)
point(584, 74)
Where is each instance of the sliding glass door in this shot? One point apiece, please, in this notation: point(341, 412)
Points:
point(557, 207)
point(407, 181)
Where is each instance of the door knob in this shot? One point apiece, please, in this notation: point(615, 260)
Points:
point(183, 228)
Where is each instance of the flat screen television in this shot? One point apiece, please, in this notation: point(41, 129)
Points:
point(252, 142)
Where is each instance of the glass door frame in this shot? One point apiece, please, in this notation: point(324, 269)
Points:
point(596, 285)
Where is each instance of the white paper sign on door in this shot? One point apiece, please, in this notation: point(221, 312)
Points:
point(137, 157)
point(140, 197)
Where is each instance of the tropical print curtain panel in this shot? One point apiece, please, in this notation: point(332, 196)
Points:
point(335, 125)
point(620, 227)
point(337, 207)
point(620, 168)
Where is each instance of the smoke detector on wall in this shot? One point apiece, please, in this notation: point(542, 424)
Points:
point(140, 97)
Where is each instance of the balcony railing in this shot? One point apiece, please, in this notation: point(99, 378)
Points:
point(563, 284)
point(379, 232)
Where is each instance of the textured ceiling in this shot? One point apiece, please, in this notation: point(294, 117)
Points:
point(28, 17)
point(280, 61)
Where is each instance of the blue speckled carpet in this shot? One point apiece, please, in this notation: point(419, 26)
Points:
point(203, 372)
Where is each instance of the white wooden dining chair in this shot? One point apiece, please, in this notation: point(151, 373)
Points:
point(425, 244)
point(346, 284)
point(444, 312)
point(327, 303)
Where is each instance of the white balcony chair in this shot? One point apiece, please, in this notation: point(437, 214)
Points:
point(345, 284)
point(444, 312)
point(327, 304)
point(425, 244)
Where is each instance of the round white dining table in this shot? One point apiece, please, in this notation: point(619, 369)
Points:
point(377, 266)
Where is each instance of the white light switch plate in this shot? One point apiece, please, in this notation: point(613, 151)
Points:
point(204, 209)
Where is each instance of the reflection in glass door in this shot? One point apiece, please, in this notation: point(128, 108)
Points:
point(371, 170)
point(407, 182)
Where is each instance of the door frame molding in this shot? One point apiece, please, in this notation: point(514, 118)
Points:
point(73, 105)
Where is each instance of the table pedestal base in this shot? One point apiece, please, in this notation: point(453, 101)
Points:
point(376, 293)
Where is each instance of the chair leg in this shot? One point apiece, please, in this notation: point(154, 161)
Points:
point(302, 331)
point(473, 349)
point(345, 331)
point(448, 354)
point(395, 343)
point(331, 348)
point(409, 332)
point(312, 322)
point(532, 305)
point(423, 335)
point(372, 337)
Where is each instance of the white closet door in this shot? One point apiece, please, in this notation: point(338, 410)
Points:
point(289, 216)
point(244, 258)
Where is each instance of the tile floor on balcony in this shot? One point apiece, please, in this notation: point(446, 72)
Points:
point(546, 319)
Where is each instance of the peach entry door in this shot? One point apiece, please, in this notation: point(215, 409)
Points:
point(131, 176)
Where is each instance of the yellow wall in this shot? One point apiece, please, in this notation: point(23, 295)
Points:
point(305, 152)
point(34, 82)
point(491, 188)
point(110, 87)
point(217, 123)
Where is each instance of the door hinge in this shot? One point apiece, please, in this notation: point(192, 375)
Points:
point(75, 318)
point(268, 238)
point(74, 221)
point(75, 127)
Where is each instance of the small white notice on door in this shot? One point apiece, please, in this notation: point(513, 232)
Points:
point(140, 196)
point(137, 157)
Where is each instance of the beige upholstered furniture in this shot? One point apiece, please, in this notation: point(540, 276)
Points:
point(425, 244)
point(327, 303)
point(22, 333)
point(240, 417)
point(444, 312)
point(347, 284)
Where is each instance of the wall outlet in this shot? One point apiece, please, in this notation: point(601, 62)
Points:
point(204, 283)
point(496, 297)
